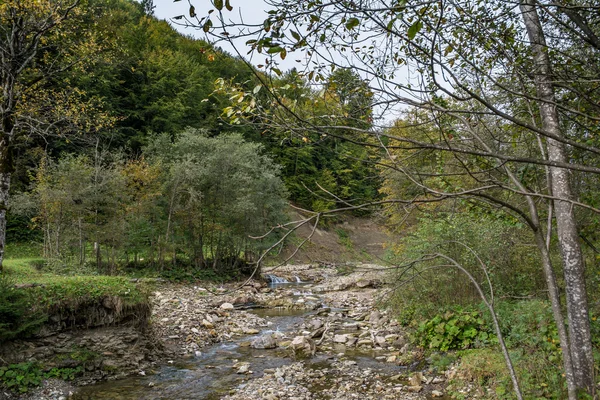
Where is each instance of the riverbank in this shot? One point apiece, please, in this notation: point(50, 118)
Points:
point(324, 337)
point(320, 340)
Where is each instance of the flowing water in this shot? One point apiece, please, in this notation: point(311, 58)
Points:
point(211, 376)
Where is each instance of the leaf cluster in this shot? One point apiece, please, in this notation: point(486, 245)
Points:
point(455, 330)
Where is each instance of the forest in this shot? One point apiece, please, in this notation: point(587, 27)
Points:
point(468, 128)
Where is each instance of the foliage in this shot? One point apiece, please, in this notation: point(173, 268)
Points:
point(455, 330)
point(528, 324)
point(502, 245)
point(231, 187)
point(322, 168)
point(102, 209)
point(24, 376)
point(539, 377)
point(16, 316)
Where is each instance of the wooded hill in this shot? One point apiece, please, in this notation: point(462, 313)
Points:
point(90, 169)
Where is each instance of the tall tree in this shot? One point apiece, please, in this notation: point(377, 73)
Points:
point(560, 183)
point(509, 95)
point(39, 42)
point(24, 27)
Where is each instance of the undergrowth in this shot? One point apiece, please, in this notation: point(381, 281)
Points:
point(24, 376)
point(530, 334)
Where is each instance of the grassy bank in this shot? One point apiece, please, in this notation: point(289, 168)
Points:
point(34, 299)
point(30, 293)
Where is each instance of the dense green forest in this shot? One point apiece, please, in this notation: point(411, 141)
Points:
point(92, 167)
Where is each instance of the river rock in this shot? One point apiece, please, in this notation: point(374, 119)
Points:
point(340, 339)
point(303, 347)
point(264, 342)
point(436, 393)
point(243, 369)
point(227, 306)
point(351, 326)
point(316, 323)
point(416, 379)
point(242, 300)
point(323, 311)
point(364, 283)
point(415, 389)
point(317, 333)
point(380, 340)
point(374, 317)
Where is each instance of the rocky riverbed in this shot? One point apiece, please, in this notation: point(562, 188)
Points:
point(325, 339)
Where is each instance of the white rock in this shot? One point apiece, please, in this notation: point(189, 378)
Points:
point(227, 306)
point(340, 339)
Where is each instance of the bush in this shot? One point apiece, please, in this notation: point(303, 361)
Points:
point(504, 248)
point(22, 377)
point(529, 325)
point(455, 330)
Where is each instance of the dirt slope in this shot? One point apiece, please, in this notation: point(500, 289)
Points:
point(353, 239)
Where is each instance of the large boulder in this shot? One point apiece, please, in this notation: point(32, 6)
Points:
point(264, 342)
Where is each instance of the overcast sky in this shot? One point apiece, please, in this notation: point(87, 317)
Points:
point(252, 11)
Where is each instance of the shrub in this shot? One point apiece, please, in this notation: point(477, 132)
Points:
point(22, 377)
point(455, 330)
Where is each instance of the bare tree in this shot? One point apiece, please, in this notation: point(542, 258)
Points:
point(506, 89)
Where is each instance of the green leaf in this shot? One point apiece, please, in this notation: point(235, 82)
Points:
point(275, 49)
point(207, 25)
point(228, 5)
point(414, 29)
point(219, 4)
point(295, 35)
point(352, 23)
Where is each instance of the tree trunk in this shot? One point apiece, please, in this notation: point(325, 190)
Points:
point(573, 262)
point(6, 169)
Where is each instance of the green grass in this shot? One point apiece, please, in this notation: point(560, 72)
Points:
point(45, 292)
point(52, 289)
point(23, 251)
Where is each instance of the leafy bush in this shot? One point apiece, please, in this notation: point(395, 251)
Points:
point(455, 330)
point(22, 377)
point(503, 247)
point(530, 325)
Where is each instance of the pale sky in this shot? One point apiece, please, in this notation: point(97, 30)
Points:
point(252, 12)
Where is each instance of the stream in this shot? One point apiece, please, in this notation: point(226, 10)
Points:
point(211, 374)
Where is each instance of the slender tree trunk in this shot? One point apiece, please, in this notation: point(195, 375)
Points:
point(568, 238)
point(6, 169)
